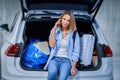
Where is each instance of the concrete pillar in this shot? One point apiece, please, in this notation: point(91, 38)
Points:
point(1, 11)
point(8, 9)
point(108, 18)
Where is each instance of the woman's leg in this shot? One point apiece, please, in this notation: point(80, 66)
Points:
point(52, 69)
point(65, 68)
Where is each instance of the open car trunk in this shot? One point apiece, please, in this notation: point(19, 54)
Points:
point(40, 28)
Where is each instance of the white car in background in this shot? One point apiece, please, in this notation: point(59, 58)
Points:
point(36, 19)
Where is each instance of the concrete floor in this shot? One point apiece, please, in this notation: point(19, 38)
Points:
point(108, 18)
point(116, 68)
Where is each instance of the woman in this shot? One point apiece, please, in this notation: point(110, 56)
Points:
point(63, 57)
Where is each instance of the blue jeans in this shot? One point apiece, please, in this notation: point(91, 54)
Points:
point(59, 66)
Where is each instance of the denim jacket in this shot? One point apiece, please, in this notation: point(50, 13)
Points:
point(73, 54)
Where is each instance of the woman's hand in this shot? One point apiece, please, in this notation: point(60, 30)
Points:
point(57, 24)
point(73, 71)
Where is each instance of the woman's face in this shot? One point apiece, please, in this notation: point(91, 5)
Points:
point(65, 21)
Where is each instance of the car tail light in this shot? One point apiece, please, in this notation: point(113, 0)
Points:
point(12, 50)
point(107, 50)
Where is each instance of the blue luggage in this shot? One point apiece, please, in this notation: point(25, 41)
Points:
point(33, 57)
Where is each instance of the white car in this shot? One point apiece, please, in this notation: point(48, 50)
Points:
point(35, 20)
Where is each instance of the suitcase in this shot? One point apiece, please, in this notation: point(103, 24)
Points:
point(86, 51)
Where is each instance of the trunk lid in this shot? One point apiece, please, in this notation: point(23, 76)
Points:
point(88, 6)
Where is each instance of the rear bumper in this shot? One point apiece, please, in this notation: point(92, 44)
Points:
point(11, 70)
